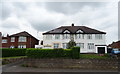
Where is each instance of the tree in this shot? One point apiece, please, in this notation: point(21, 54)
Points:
point(71, 44)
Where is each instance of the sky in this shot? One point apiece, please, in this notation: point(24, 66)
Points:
point(39, 17)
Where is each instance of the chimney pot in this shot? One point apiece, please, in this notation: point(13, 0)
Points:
point(72, 24)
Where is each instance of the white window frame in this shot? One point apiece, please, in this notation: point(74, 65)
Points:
point(22, 39)
point(21, 46)
point(12, 39)
point(81, 45)
point(4, 40)
point(56, 45)
point(89, 36)
point(79, 36)
point(91, 46)
point(48, 37)
point(57, 36)
point(64, 45)
point(66, 36)
point(98, 36)
point(12, 46)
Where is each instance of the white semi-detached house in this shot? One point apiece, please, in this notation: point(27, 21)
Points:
point(89, 40)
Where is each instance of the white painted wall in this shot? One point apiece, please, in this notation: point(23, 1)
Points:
point(51, 41)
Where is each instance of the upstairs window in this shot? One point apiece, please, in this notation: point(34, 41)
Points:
point(57, 36)
point(48, 37)
point(66, 36)
point(4, 40)
point(98, 36)
point(22, 39)
point(79, 36)
point(12, 39)
point(89, 36)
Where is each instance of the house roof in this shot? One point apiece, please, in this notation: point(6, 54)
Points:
point(73, 29)
point(115, 44)
point(24, 33)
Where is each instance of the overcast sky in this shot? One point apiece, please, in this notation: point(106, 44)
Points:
point(39, 17)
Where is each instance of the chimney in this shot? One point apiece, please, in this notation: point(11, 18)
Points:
point(72, 24)
point(7, 35)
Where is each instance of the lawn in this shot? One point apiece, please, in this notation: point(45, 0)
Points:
point(13, 57)
point(94, 56)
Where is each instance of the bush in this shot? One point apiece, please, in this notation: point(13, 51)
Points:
point(71, 44)
point(75, 52)
point(9, 52)
point(48, 53)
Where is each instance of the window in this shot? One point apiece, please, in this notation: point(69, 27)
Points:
point(98, 36)
point(81, 45)
point(48, 37)
point(12, 46)
point(21, 46)
point(66, 36)
point(57, 36)
point(64, 45)
point(22, 39)
point(12, 39)
point(89, 36)
point(4, 41)
point(79, 36)
point(90, 45)
point(56, 45)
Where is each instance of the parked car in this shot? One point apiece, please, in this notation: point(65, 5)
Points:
point(115, 51)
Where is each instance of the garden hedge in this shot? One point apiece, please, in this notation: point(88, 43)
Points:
point(53, 53)
point(75, 52)
point(48, 53)
point(9, 52)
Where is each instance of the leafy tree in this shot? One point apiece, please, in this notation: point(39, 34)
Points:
point(70, 44)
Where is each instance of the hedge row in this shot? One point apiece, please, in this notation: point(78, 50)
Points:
point(9, 52)
point(53, 53)
point(42, 53)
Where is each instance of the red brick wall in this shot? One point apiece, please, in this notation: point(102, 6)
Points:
point(31, 42)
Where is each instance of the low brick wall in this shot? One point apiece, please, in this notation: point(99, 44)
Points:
point(94, 64)
point(12, 60)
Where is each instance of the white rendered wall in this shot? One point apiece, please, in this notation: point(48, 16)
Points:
point(50, 42)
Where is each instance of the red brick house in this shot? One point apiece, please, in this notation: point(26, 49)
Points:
point(115, 45)
point(19, 40)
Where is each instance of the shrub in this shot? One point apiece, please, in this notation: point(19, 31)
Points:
point(9, 52)
point(75, 52)
point(48, 53)
point(71, 44)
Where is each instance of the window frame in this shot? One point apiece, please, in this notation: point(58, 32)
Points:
point(4, 40)
point(89, 36)
point(56, 45)
point(90, 46)
point(22, 39)
point(12, 39)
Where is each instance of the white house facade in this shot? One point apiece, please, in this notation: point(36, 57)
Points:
point(89, 40)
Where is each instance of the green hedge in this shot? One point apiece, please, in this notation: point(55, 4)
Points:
point(48, 53)
point(9, 52)
point(75, 52)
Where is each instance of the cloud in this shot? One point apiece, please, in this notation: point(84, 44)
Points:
point(70, 7)
point(44, 16)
